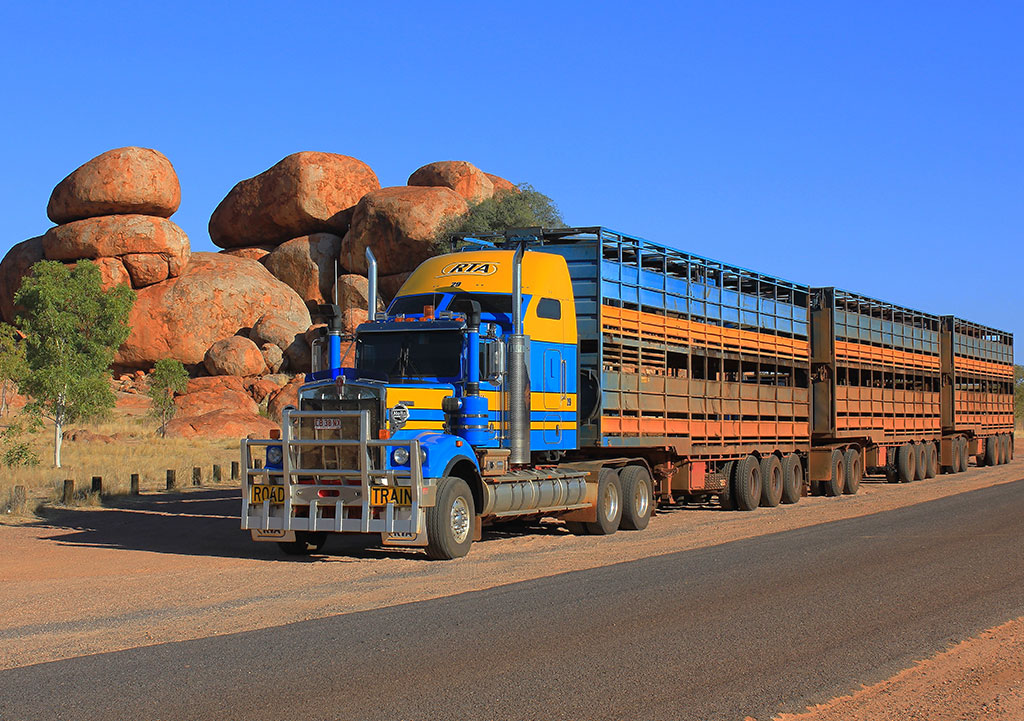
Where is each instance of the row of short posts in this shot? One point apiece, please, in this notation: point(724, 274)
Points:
point(68, 497)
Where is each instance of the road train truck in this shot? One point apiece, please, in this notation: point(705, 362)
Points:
point(588, 375)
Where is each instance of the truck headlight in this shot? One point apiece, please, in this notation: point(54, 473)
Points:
point(274, 456)
point(400, 456)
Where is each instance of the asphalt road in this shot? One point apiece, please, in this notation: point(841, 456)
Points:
point(753, 627)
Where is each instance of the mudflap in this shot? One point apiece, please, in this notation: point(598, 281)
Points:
point(417, 539)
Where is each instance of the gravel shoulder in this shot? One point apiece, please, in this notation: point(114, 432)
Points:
point(171, 568)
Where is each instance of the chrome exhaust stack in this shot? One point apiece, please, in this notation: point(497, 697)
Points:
point(371, 279)
point(518, 371)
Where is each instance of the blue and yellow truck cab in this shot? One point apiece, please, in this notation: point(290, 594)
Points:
point(462, 402)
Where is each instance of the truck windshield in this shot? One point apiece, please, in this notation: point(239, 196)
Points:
point(410, 354)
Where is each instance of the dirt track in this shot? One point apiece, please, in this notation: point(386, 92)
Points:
point(176, 568)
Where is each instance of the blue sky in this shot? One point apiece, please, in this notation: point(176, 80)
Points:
point(873, 146)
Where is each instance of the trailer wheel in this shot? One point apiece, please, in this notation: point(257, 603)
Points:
point(956, 467)
point(792, 478)
point(450, 520)
point(853, 470)
point(637, 491)
point(922, 462)
point(991, 451)
point(932, 467)
point(1006, 448)
point(304, 543)
point(727, 499)
point(907, 463)
point(964, 456)
point(771, 481)
point(747, 486)
point(609, 504)
point(834, 487)
point(1010, 437)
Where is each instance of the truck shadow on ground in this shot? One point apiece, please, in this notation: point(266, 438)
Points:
point(197, 523)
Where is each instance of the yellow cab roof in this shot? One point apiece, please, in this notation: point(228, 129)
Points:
point(490, 271)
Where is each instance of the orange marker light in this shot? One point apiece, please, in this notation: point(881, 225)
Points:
point(384, 434)
point(428, 312)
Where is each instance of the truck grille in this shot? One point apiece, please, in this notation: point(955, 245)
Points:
point(337, 458)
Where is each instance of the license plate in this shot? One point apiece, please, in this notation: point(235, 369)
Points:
point(261, 493)
point(383, 495)
point(327, 424)
point(262, 534)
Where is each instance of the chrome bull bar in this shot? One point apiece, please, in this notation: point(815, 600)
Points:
point(399, 525)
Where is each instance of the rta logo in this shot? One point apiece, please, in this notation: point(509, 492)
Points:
point(469, 269)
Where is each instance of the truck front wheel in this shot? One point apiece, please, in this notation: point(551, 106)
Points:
point(450, 520)
point(609, 504)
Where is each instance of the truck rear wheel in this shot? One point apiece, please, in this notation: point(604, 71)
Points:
point(746, 489)
point(853, 470)
point(991, 451)
point(609, 504)
point(637, 492)
point(906, 463)
point(956, 467)
point(792, 478)
point(450, 520)
point(922, 462)
point(964, 456)
point(932, 467)
point(304, 543)
point(834, 486)
point(771, 481)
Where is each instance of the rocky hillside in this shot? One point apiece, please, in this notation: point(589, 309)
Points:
point(293, 237)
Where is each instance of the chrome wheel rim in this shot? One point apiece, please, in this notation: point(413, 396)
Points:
point(641, 499)
point(611, 501)
point(460, 519)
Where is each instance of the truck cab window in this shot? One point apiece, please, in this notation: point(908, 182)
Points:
point(549, 308)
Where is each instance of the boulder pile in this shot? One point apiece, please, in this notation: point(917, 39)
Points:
point(241, 320)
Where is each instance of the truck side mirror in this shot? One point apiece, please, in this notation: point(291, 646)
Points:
point(492, 360)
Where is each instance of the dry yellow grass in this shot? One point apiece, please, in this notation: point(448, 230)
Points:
point(138, 450)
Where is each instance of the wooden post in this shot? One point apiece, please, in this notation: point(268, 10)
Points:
point(18, 499)
point(97, 484)
point(235, 472)
point(216, 473)
point(69, 492)
point(197, 476)
point(171, 480)
point(135, 484)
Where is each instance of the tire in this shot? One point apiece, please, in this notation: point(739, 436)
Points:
point(922, 462)
point(962, 451)
point(771, 481)
point(746, 488)
point(304, 543)
point(609, 504)
point(637, 497)
point(792, 478)
point(955, 467)
point(1006, 448)
point(450, 520)
point(892, 466)
point(991, 451)
point(1012, 444)
point(906, 463)
point(834, 486)
point(727, 500)
point(932, 467)
point(853, 471)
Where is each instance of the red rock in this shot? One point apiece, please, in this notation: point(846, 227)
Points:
point(275, 328)
point(307, 264)
point(215, 297)
point(219, 384)
point(287, 396)
point(113, 273)
point(258, 252)
point(133, 404)
point(13, 268)
point(145, 268)
point(83, 435)
point(313, 332)
point(464, 178)
point(305, 193)
point(389, 285)
point(125, 180)
point(211, 400)
point(121, 235)
point(234, 356)
point(351, 318)
point(260, 388)
point(228, 423)
point(400, 225)
point(501, 185)
point(273, 357)
point(352, 291)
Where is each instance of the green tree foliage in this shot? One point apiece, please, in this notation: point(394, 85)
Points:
point(527, 208)
point(73, 328)
point(14, 449)
point(12, 364)
point(169, 377)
